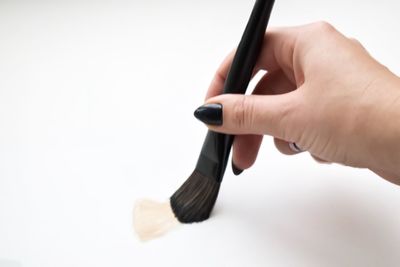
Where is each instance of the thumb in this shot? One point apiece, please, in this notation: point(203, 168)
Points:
point(250, 114)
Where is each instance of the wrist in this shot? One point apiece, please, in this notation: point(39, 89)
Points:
point(384, 133)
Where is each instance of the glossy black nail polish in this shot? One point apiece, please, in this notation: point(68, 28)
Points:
point(236, 170)
point(210, 114)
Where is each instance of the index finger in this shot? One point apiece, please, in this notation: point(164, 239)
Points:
point(276, 53)
point(218, 81)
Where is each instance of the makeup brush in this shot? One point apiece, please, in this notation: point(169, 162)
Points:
point(195, 199)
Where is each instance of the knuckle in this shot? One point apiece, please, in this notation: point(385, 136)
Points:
point(286, 121)
point(242, 112)
point(356, 42)
point(320, 29)
point(293, 119)
point(323, 27)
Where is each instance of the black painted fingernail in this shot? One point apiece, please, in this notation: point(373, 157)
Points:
point(236, 170)
point(209, 114)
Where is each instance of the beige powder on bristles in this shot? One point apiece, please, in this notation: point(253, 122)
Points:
point(152, 219)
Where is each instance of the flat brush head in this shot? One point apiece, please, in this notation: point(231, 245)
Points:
point(195, 199)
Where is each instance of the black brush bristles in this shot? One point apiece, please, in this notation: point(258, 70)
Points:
point(195, 199)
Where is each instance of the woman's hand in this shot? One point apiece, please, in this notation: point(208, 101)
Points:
point(323, 92)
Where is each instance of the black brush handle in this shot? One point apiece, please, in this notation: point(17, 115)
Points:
point(216, 148)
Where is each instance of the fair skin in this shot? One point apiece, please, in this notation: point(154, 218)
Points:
point(322, 91)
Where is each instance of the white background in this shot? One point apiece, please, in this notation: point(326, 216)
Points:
point(96, 103)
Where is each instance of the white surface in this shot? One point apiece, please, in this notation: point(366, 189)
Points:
point(96, 102)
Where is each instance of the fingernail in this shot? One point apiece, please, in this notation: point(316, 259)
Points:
point(294, 147)
point(236, 170)
point(210, 114)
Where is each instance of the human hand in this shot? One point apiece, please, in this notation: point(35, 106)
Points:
point(323, 92)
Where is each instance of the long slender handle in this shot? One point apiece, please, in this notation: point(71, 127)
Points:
point(249, 48)
point(216, 148)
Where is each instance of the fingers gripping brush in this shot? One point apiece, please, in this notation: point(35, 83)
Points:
point(195, 199)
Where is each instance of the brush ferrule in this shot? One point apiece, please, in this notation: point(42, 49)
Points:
point(214, 155)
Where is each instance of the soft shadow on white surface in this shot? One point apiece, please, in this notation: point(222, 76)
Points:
point(329, 225)
point(328, 230)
